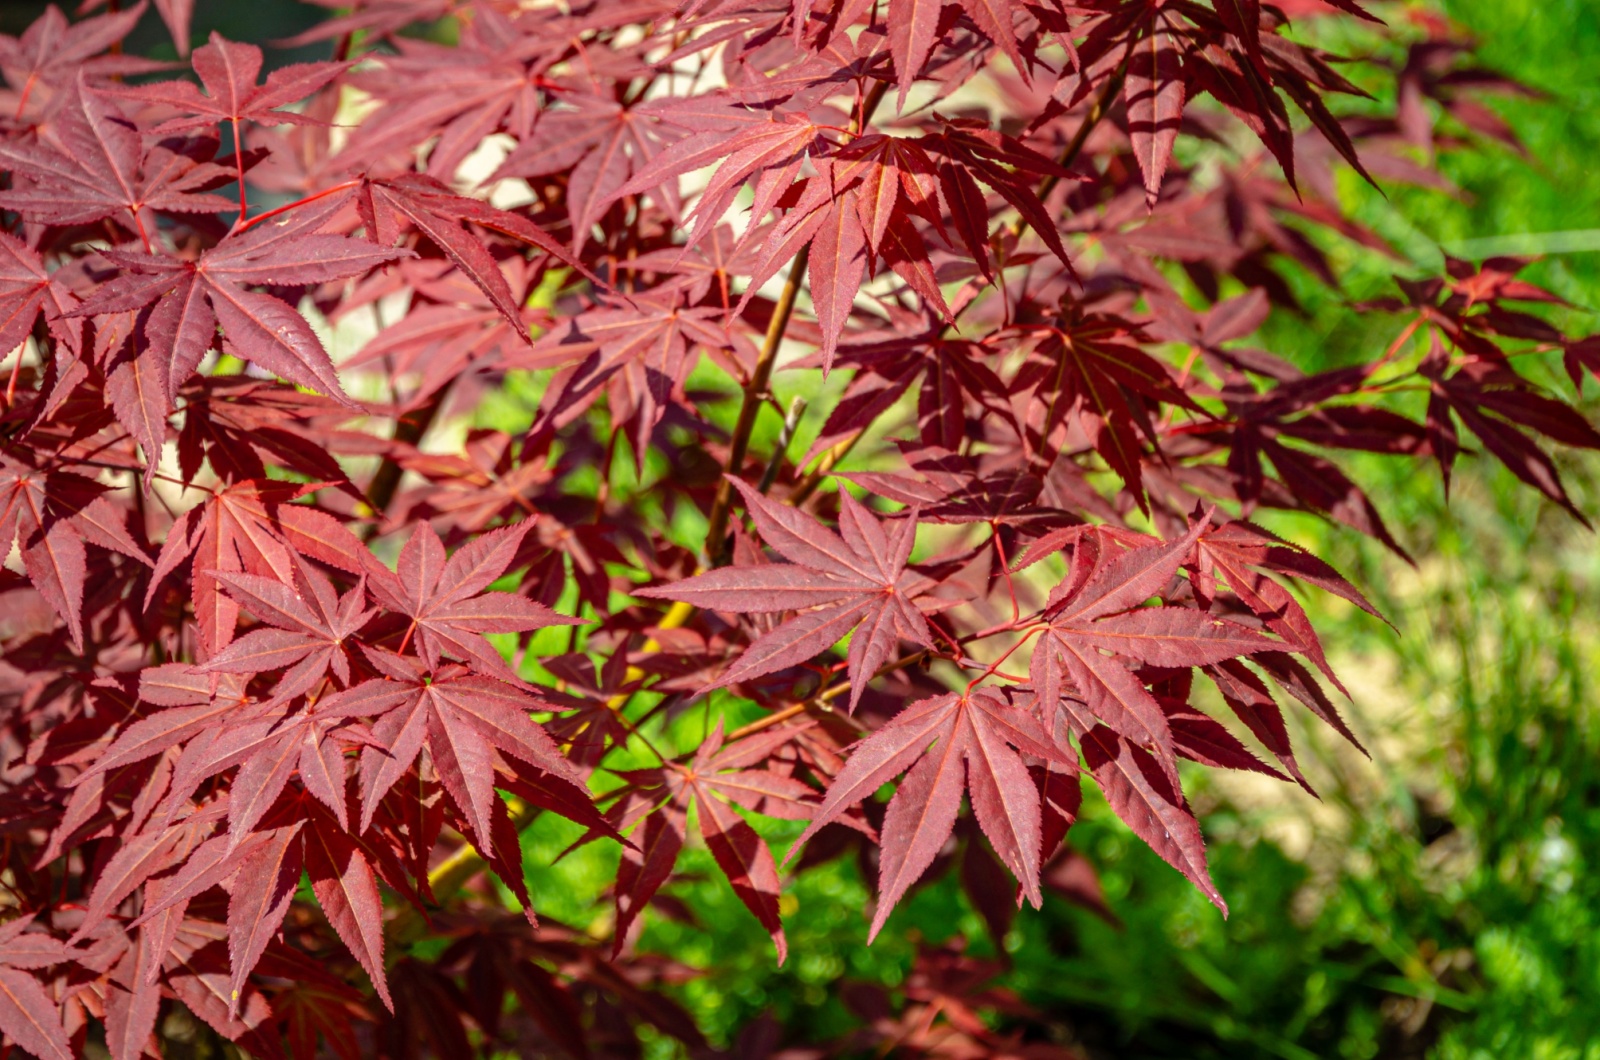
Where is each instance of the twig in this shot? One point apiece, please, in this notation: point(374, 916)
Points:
point(408, 430)
point(238, 163)
point(830, 460)
point(755, 389)
point(797, 408)
point(1069, 154)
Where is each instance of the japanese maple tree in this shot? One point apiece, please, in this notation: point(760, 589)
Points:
point(297, 641)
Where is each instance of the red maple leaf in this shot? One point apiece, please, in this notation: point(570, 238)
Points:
point(946, 745)
point(309, 626)
point(51, 515)
point(27, 1015)
point(463, 718)
point(228, 70)
point(390, 207)
point(26, 290)
point(637, 355)
point(837, 582)
point(51, 52)
point(97, 165)
point(1087, 370)
point(251, 527)
point(446, 602)
point(661, 798)
point(188, 300)
point(1095, 627)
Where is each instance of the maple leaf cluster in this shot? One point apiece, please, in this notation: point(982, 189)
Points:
point(272, 615)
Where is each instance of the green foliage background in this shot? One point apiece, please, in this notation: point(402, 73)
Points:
point(1438, 901)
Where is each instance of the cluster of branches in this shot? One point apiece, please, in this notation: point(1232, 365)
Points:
point(213, 687)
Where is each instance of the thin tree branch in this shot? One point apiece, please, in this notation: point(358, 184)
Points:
point(755, 392)
point(755, 389)
point(1069, 154)
point(791, 420)
point(408, 430)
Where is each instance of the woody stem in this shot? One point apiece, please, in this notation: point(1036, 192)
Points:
point(1069, 154)
point(1005, 569)
point(755, 390)
point(11, 384)
point(408, 430)
point(830, 460)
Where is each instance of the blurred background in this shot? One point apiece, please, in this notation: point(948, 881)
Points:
point(1440, 899)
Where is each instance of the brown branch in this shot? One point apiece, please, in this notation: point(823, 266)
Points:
point(755, 391)
point(822, 698)
point(755, 395)
point(1069, 154)
point(830, 460)
point(791, 421)
point(408, 430)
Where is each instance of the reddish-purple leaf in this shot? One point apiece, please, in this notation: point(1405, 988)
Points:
point(838, 261)
point(1154, 93)
point(1142, 794)
point(857, 577)
point(347, 890)
point(646, 864)
point(30, 1018)
point(447, 605)
point(743, 857)
point(228, 70)
point(919, 820)
point(975, 740)
point(262, 891)
point(913, 28)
